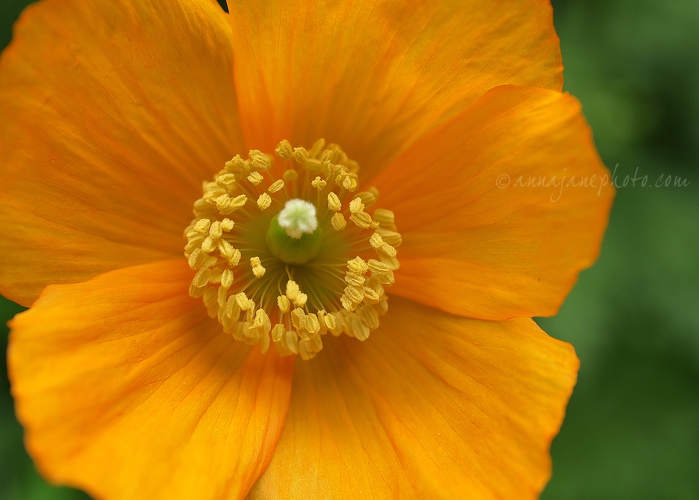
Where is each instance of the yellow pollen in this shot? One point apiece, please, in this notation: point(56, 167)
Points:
point(276, 186)
point(283, 303)
point(334, 202)
point(338, 222)
point(264, 201)
point(356, 206)
point(257, 269)
point(255, 178)
point(319, 183)
point(340, 287)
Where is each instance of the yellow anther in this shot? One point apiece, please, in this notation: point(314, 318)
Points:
point(330, 169)
point(362, 219)
point(316, 343)
point(338, 221)
point(264, 343)
point(357, 265)
point(226, 250)
point(260, 161)
point(215, 272)
point(321, 322)
point(298, 318)
point(257, 269)
point(349, 183)
point(304, 352)
point(391, 262)
point(354, 293)
point(209, 260)
point(347, 303)
point(357, 328)
point(237, 165)
point(393, 238)
point(202, 277)
point(222, 296)
point(227, 205)
point(356, 206)
point(213, 191)
point(313, 165)
point(370, 295)
point(354, 279)
point(262, 322)
point(216, 231)
point(242, 301)
point(284, 304)
point(386, 279)
point(293, 292)
point(330, 321)
point(196, 292)
point(250, 311)
point(225, 180)
point(227, 225)
point(264, 201)
point(255, 178)
point(292, 289)
point(300, 300)
point(276, 186)
point(376, 240)
point(210, 299)
point(369, 317)
point(367, 197)
point(374, 283)
point(202, 226)
point(278, 332)
point(387, 250)
point(232, 255)
point(194, 240)
point(384, 217)
point(292, 341)
point(284, 150)
point(208, 245)
point(232, 309)
point(227, 278)
point(290, 175)
point(334, 202)
point(377, 267)
point(300, 155)
point(196, 258)
point(318, 183)
point(312, 324)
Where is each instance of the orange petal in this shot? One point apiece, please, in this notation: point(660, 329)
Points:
point(374, 76)
point(475, 248)
point(113, 112)
point(128, 390)
point(432, 405)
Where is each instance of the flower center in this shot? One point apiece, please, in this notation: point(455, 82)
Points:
point(314, 266)
point(294, 236)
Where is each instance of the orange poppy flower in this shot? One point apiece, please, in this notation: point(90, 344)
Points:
point(115, 113)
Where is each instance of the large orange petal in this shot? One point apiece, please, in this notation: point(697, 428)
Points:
point(432, 405)
point(128, 390)
point(113, 112)
point(375, 75)
point(478, 239)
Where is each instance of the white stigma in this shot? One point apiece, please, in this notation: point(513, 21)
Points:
point(298, 217)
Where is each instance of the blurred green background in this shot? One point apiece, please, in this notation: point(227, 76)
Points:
point(632, 429)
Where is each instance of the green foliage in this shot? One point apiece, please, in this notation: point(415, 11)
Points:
point(632, 428)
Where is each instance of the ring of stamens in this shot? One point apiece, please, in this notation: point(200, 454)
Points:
point(255, 295)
